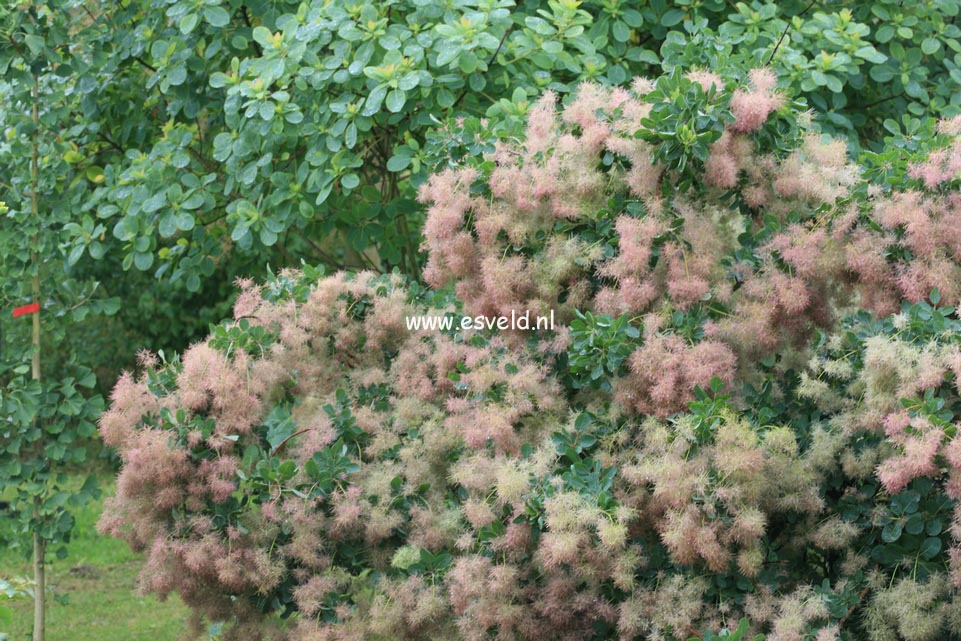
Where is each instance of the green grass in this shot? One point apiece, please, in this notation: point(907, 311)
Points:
point(99, 579)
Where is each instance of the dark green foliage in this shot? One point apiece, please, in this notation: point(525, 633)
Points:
point(599, 346)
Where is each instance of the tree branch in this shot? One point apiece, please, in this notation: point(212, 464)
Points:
point(489, 63)
point(786, 28)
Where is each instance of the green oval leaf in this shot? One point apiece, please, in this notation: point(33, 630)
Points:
point(395, 100)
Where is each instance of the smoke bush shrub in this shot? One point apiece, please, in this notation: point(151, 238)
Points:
point(753, 414)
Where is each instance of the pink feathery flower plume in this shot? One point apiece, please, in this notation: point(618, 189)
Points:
point(752, 108)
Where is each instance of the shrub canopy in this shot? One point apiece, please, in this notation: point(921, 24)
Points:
point(751, 413)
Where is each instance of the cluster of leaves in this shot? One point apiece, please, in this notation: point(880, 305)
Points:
point(599, 346)
point(684, 121)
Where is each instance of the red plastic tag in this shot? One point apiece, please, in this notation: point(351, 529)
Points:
point(32, 308)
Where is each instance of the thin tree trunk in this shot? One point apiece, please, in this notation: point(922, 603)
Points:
point(40, 587)
point(39, 544)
